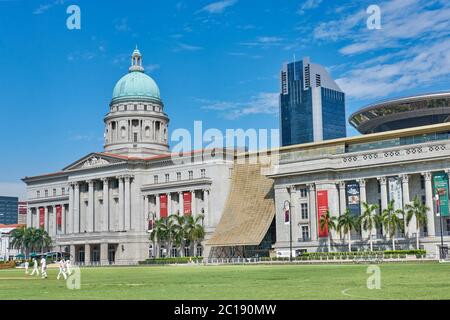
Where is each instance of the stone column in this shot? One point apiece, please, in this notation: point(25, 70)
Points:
point(193, 204)
point(72, 253)
point(411, 228)
point(383, 193)
point(342, 202)
point(158, 206)
point(55, 220)
point(87, 254)
point(363, 199)
point(76, 209)
point(105, 211)
point(104, 254)
point(63, 219)
point(147, 215)
point(90, 210)
point(121, 209)
point(208, 214)
point(127, 211)
point(430, 204)
point(181, 203)
point(169, 204)
point(314, 224)
point(69, 219)
point(46, 220)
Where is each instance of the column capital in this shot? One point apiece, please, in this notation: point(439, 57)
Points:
point(105, 179)
point(382, 179)
point(361, 182)
point(311, 187)
point(292, 188)
point(405, 178)
point(90, 182)
point(427, 175)
point(341, 184)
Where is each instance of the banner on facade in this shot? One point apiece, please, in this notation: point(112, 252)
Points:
point(395, 192)
point(41, 217)
point(322, 208)
point(353, 197)
point(440, 192)
point(59, 216)
point(163, 206)
point(286, 213)
point(187, 203)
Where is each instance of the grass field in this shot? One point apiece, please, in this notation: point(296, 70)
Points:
point(398, 281)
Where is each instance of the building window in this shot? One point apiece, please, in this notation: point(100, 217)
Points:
point(379, 186)
point(187, 252)
point(424, 200)
point(167, 177)
point(203, 173)
point(38, 194)
point(305, 233)
point(155, 179)
point(54, 192)
point(304, 210)
point(303, 193)
point(191, 175)
point(178, 176)
point(447, 224)
point(46, 193)
point(135, 137)
point(63, 191)
point(199, 252)
point(174, 252)
point(422, 182)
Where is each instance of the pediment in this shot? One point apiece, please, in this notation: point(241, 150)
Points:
point(93, 160)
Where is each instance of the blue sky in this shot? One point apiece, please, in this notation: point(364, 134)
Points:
point(214, 61)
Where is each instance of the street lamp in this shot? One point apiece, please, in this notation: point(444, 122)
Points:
point(290, 225)
point(442, 254)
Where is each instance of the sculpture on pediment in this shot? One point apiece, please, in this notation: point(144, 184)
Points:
point(94, 161)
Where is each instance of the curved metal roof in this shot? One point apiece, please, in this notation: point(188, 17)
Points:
point(403, 112)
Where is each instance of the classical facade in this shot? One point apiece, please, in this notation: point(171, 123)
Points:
point(376, 168)
point(102, 207)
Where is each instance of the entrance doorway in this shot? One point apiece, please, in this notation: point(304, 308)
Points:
point(112, 248)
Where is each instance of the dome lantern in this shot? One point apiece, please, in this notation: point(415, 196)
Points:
point(136, 61)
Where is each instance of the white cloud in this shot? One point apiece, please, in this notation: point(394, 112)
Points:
point(13, 189)
point(122, 25)
point(263, 103)
point(264, 42)
point(151, 67)
point(186, 47)
point(45, 7)
point(308, 5)
point(219, 6)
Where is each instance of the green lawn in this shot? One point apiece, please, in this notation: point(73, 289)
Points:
point(398, 281)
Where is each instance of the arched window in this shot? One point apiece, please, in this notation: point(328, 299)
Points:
point(147, 131)
point(123, 132)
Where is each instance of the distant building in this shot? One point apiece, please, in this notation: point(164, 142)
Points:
point(6, 252)
point(22, 214)
point(312, 106)
point(8, 210)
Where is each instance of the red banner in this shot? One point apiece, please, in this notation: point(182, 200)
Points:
point(41, 217)
point(163, 206)
point(187, 203)
point(59, 216)
point(322, 207)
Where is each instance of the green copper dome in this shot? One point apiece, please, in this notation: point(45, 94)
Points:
point(136, 84)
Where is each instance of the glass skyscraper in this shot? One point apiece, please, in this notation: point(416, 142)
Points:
point(312, 106)
point(9, 210)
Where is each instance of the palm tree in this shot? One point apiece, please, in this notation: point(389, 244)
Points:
point(18, 238)
point(368, 219)
point(347, 223)
point(392, 221)
point(180, 232)
point(327, 222)
point(157, 235)
point(30, 239)
point(418, 210)
point(195, 230)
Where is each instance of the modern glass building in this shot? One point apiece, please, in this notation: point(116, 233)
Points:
point(312, 106)
point(9, 210)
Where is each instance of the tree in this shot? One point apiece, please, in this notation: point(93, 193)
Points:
point(368, 219)
point(17, 237)
point(30, 239)
point(195, 230)
point(417, 210)
point(327, 222)
point(347, 223)
point(392, 221)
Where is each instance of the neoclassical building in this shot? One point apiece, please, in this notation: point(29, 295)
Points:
point(101, 208)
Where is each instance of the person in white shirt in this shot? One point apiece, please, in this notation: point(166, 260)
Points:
point(43, 267)
point(35, 267)
point(62, 269)
point(27, 264)
point(68, 266)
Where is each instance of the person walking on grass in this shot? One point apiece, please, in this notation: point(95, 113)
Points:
point(35, 267)
point(62, 269)
point(27, 264)
point(43, 268)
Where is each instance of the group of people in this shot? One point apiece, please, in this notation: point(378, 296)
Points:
point(64, 268)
